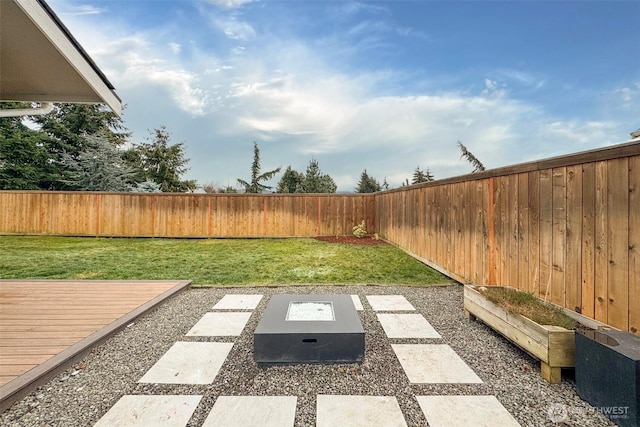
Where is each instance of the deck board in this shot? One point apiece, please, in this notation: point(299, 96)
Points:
point(46, 324)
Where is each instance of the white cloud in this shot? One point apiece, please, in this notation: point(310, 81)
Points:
point(578, 132)
point(175, 47)
point(489, 86)
point(523, 77)
point(230, 4)
point(135, 61)
point(628, 95)
point(236, 30)
point(354, 8)
point(81, 10)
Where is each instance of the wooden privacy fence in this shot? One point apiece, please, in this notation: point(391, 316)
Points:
point(566, 229)
point(182, 215)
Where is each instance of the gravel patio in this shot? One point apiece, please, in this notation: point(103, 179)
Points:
point(81, 395)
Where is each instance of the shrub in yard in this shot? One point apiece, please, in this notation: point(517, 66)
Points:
point(360, 230)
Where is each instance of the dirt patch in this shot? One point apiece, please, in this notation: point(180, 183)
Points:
point(352, 240)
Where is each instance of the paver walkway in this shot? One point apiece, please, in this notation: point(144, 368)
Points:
point(199, 363)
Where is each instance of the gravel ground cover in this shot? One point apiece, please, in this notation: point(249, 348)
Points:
point(82, 394)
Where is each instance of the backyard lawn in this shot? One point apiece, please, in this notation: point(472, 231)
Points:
point(215, 261)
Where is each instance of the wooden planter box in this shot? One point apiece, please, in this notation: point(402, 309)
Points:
point(554, 346)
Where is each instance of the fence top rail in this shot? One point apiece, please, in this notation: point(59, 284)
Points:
point(627, 149)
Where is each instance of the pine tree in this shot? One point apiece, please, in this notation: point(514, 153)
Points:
point(385, 184)
point(290, 181)
point(99, 167)
point(24, 161)
point(315, 181)
point(161, 162)
point(428, 175)
point(367, 184)
point(420, 176)
point(69, 123)
point(34, 159)
point(477, 165)
point(254, 186)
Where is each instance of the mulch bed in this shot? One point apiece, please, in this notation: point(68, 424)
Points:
point(352, 240)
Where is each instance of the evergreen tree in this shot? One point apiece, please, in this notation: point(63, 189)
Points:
point(24, 161)
point(315, 181)
point(99, 167)
point(477, 164)
point(146, 187)
point(420, 176)
point(290, 181)
point(254, 186)
point(33, 158)
point(429, 175)
point(161, 162)
point(69, 123)
point(385, 184)
point(367, 184)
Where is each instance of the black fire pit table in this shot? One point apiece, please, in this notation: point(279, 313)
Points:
point(309, 329)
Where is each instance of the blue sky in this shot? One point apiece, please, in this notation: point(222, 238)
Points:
point(384, 86)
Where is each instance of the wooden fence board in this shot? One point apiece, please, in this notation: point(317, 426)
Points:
point(432, 223)
point(573, 265)
point(534, 232)
point(618, 243)
point(500, 230)
point(558, 236)
point(423, 229)
point(546, 233)
point(468, 223)
point(479, 231)
point(489, 247)
point(588, 290)
point(601, 244)
point(512, 233)
point(522, 232)
point(446, 231)
point(459, 246)
point(634, 244)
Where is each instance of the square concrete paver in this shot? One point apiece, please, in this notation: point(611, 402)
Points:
point(189, 363)
point(145, 411)
point(357, 303)
point(358, 411)
point(400, 325)
point(238, 302)
point(252, 411)
point(389, 303)
point(465, 411)
point(220, 324)
point(433, 364)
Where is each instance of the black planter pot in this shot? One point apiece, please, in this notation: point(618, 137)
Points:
point(607, 368)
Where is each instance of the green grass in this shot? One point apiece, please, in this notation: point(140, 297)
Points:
point(217, 261)
point(529, 306)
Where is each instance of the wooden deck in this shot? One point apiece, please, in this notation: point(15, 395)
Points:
point(47, 324)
